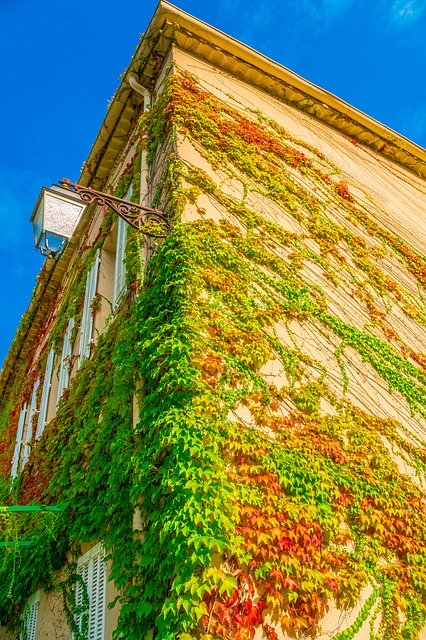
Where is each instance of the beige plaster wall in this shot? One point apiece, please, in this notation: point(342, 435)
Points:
point(397, 199)
point(399, 208)
point(399, 195)
point(51, 621)
point(111, 615)
point(7, 635)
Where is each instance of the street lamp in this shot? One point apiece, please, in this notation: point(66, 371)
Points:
point(54, 218)
point(58, 210)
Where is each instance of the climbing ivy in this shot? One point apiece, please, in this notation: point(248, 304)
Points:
point(264, 502)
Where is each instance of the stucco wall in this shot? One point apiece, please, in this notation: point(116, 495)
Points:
point(398, 196)
point(394, 198)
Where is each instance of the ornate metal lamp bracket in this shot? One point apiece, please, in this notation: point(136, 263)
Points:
point(150, 222)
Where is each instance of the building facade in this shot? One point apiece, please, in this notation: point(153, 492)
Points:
point(222, 434)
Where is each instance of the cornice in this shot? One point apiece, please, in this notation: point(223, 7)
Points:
point(171, 25)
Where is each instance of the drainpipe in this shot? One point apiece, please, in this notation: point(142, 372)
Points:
point(136, 86)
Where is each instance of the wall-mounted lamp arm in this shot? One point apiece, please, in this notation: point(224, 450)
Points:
point(150, 222)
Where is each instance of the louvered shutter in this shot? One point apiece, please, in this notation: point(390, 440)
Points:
point(64, 367)
point(18, 444)
point(29, 618)
point(81, 588)
point(93, 574)
point(31, 420)
point(87, 318)
point(97, 605)
point(45, 393)
point(120, 256)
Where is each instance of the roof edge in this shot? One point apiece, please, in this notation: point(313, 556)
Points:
point(164, 28)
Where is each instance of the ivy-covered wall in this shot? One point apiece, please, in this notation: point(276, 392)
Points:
point(276, 351)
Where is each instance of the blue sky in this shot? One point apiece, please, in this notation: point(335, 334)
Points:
point(61, 62)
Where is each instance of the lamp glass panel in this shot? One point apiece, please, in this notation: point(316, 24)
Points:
point(52, 243)
point(61, 215)
point(38, 223)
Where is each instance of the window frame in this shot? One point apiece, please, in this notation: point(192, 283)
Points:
point(120, 271)
point(19, 441)
point(65, 362)
point(45, 394)
point(28, 432)
point(86, 328)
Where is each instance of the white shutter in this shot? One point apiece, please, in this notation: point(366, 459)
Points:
point(29, 618)
point(97, 605)
point(45, 393)
point(18, 444)
point(31, 418)
point(92, 569)
point(87, 318)
point(81, 587)
point(120, 256)
point(64, 367)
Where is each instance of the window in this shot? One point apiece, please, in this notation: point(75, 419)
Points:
point(29, 618)
point(65, 364)
point(19, 440)
point(30, 426)
point(87, 319)
point(45, 393)
point(92, 569)
point(120, 256)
